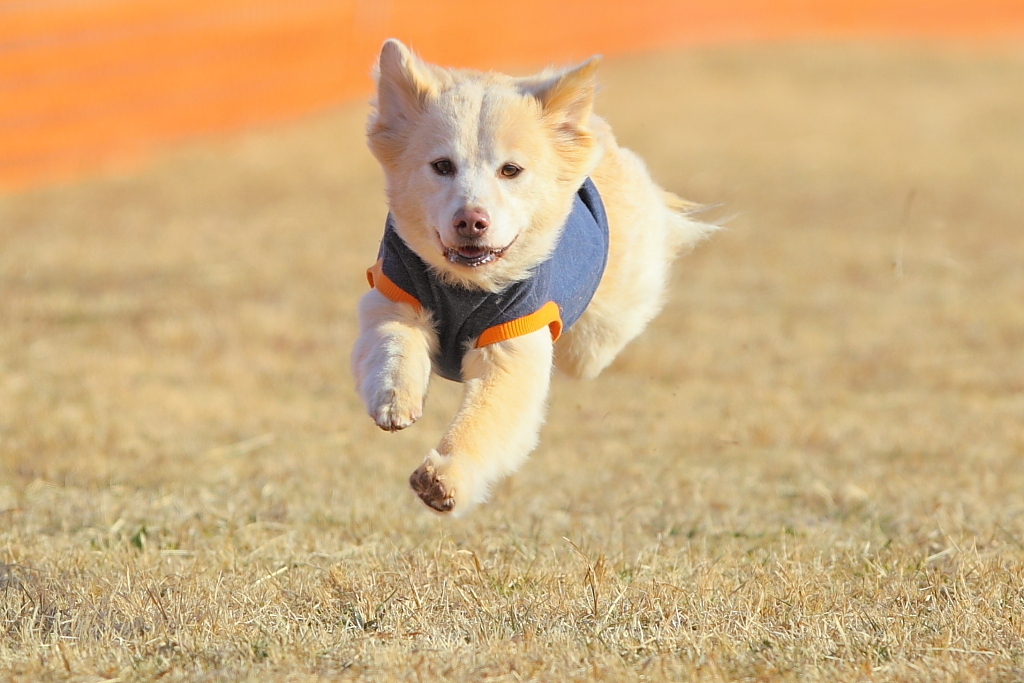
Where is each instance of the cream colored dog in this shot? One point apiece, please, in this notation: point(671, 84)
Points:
point(482, 170)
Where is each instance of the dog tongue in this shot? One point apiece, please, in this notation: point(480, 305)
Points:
point(471, 252)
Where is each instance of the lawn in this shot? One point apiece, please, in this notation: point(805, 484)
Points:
point(810, 467)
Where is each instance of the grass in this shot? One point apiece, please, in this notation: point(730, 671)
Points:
point(809, 467)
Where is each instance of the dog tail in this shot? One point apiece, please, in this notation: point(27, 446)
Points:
point(688, 231)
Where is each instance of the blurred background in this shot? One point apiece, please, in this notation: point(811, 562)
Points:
point(87, 85)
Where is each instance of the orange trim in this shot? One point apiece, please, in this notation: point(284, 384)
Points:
point(383, 284)
point(547, 315)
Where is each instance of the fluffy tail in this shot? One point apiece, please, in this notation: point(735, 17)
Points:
point(688, 232)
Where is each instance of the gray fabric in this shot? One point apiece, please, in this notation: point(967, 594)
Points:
point(569, 278)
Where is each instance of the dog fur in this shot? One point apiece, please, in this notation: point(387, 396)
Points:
point(485, 124)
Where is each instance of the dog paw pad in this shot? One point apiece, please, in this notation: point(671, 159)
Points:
point(431, 490)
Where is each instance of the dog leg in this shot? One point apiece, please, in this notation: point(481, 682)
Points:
point(497, 426)
point(597, 337)
point(391, 360)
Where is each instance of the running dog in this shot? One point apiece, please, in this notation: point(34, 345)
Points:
point(520, 236)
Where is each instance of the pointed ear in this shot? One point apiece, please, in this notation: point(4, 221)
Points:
point(404, 82)
point(567, 96)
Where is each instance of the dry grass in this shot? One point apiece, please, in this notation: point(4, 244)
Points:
point(809, 468)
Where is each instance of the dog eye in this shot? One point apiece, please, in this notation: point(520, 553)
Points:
point(510, 171)
point(443, 167)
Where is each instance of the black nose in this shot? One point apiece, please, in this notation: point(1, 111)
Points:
point(471, 222)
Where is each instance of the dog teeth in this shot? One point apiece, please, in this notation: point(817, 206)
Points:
point(455, 256)
point(483, 256)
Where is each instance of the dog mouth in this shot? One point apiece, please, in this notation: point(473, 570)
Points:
point(474, 257)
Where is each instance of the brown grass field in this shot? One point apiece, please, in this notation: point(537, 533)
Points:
point(810, 467)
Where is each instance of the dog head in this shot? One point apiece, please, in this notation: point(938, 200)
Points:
point(481, 169)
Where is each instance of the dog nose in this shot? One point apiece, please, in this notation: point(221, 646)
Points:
point(471, 222)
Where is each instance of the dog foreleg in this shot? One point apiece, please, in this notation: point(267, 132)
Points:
point(391, 360)
point(503, 408)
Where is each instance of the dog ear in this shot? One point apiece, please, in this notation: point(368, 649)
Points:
point(404, 83)
point(567, 96)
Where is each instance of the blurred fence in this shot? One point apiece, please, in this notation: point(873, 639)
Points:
point(85, 84)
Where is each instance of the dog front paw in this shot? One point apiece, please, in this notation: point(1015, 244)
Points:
point(394, 412)
point(431, 487)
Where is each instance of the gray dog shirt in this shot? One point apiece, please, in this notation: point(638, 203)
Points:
point(555, 294)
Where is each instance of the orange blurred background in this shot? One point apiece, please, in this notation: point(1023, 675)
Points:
point(87, 85)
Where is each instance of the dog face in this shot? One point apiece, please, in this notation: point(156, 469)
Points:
point(481, 169)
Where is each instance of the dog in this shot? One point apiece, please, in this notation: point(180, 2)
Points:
point(520, 236)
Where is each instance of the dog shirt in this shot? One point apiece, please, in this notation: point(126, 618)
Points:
point(555, 294)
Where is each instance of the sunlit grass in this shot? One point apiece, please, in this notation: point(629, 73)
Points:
point(809, 467)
